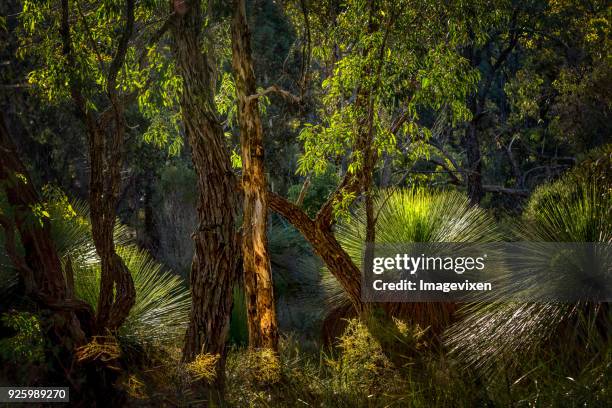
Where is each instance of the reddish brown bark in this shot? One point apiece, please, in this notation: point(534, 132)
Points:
point(261, 312)
point(319, 232)
point(67, 319)
point(214, 268)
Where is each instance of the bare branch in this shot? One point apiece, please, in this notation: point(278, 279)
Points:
point(504, 190)
point(276, 89)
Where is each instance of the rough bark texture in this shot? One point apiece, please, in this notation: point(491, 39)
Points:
point(214, 267)
point(261, 312)
point(106, 144)
point(65, 320)
point(320, 235)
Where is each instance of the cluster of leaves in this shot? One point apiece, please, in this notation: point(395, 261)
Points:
point(147, 72)
point(26, 347)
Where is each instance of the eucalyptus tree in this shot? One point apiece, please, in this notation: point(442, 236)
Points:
point(102, 56)
point(217, 249)
point(387, 61)
point(261, 312)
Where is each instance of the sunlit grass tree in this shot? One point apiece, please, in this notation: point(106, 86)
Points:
point(160, 313)
point(577, 208)
point(413, 215)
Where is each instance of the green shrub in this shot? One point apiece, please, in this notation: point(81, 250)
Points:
point(26, 346)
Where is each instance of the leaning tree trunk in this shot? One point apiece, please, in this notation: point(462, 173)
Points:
point(65, 320)
point(261, 313)
point(215, 261)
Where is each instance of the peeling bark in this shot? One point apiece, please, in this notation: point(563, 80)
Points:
point(261, 312)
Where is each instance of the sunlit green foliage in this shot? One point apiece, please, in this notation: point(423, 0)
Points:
point(404, 59)
point(26, 347)
point(147, 73)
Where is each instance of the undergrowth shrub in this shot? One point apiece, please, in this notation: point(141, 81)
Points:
point(360, 362)
point(26, 345)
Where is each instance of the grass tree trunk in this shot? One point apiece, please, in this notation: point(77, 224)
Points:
point(261, 312)
point(214, 267)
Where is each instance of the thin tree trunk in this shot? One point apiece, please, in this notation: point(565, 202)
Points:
point(214, 267)
point(473, 175)
point(261, 312)
point(106, 144)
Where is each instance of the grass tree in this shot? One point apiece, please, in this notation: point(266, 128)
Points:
point(415, 215)
point(574, 209)
point(160, 313)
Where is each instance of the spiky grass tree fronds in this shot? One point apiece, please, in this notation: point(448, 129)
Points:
point(494, 334)
point(161, 312)
point(71, 229)
point(414, 215)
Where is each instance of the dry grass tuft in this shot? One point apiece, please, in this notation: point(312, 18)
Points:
point(104, 349)
point(203, 367)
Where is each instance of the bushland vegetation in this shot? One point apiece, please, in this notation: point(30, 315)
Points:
point(187, 189)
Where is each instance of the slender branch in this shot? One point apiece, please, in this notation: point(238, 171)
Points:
point(306, 50)
point(276, 89)
point(122, 48)
point(300, 199)
point(154, 39)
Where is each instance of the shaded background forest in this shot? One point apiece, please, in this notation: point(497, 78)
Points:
point(523, 100)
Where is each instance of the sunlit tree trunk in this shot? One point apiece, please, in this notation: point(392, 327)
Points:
point(261, 313)
point(214, 267)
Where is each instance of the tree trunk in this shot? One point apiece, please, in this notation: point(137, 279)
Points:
point(213, 272)
point(261, 312)
point(325, 245)
point(117, 292)
point(471, 144)
point(106, 143)
point(473, 176)
point(64, 319)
